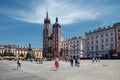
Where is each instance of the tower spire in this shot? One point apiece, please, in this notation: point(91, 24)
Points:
point(46, 14)
point(56, 19)
point(46, 20)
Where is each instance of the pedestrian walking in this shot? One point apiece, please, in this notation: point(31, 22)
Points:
point(18, 65)
point(78, 61)
point(37, 61)
point(96, 59)
point(99, 58)
point(56, 64)
point(93, 59)
point(71, 61)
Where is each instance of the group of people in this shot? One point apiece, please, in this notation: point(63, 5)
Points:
point(39, 60)
point(96, 59)
point(76, 60)
point(72, 60)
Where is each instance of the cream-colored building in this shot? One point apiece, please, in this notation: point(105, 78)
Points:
point(21, 50)
point(37, 53)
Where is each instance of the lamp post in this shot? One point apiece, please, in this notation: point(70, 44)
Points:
point(107, 50)
point(74, 49)
point(18, 58)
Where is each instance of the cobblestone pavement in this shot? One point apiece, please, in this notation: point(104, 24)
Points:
point(104, 70)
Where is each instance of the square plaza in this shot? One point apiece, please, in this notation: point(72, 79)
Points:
point(103, 70)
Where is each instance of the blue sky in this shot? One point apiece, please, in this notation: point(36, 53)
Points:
point(21, 21)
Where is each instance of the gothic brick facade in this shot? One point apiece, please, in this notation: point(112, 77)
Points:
point(51, 39)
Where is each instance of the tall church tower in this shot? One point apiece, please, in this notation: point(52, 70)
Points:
point(56, 38)
point(46, 34)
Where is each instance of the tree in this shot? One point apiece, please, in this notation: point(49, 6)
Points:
point(6, 54)
point(1, 54)
point(21, 55)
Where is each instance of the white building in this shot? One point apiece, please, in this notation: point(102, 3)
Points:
point(76, 46)
point(100, 41)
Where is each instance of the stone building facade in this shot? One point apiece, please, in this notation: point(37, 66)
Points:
point(100, 41)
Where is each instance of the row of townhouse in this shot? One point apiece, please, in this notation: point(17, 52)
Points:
point(20, 50)
point(95, 43)
point(99, 42)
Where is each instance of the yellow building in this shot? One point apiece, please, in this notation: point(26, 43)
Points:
point(2, 49)
point(37, 53)
point(21, 50)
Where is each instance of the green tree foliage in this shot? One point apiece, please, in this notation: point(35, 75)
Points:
point(8, 54)
point(21, 55)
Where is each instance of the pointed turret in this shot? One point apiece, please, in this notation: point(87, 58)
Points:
point(56, 20)
point(56, 23)
point(47, 20)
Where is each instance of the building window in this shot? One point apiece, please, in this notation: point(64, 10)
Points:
point(119, 30)
point(119, 45)
point(88, 43)
point(106, 34)
point(101, 35)
point(111, 45)
point(77, 41)
point(88, 48)
point(96, 36)
point(92, 37)
point(96, 41)
point(111, 33)
point(96, 47)
point(119, 37)
point(111, 39)
point(92, 48)
point(92, 42)
point(106, 40)
point(102, 41)
point(102, 47)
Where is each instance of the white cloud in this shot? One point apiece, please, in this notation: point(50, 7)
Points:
point(66, 11)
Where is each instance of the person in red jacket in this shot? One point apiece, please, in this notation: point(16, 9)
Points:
point(56, 64)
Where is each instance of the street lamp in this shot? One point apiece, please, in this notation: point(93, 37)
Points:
point(18, 58)
point(107, 47)
point(74, 49)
